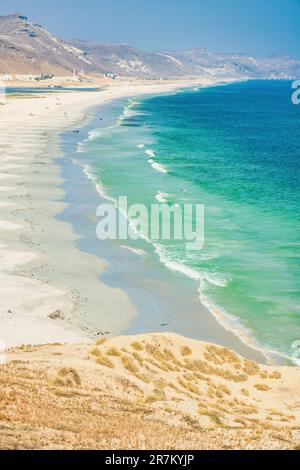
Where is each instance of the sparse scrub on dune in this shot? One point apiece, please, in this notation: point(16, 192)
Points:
point(264, 375)
point(275, 375)
point(95, 352)
point(188, 386)
point(250, 367)
point(245, 392)
point(101, 359)
point(214, 417)
point(129, 364)
point(155, 352)
point(137, 346)
point(168, 354)
point(224, 389)
point(189, 377)
point(138, 357)
point(171, 367)
point(241, 421)
point(143, 377)
point(213, 392)
point(158, 365)
point(262, 387)
point(203, 367)
point(220, 356)
point(273, 412)
point(100, 341)
point(112, 351)
point(158, 394)
point(186, 351)
point(67, 377)
point(160, 383)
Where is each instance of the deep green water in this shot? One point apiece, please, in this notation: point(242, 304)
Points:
point(235, 149)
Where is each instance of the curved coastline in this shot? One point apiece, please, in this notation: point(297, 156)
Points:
point(234, 336)
point(209, 329)
point(229, 322)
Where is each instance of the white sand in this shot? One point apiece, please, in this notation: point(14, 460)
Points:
point(41, 270)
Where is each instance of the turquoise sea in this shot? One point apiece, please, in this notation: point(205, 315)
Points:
point(236, 149)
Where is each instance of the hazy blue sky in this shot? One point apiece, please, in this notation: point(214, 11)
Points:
point(253, 26)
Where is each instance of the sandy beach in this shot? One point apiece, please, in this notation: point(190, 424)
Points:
point(36, 279)
point(187, 393)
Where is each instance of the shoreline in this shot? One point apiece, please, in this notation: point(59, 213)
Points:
point(71, 330)
point(159, 294)
point(30, 143)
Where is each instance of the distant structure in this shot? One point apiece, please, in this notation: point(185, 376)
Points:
point(111, 75)
point(44, 77)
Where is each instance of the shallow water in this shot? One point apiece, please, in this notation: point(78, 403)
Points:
point(236, 149)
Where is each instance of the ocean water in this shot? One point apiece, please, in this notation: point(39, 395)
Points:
point(235, 149)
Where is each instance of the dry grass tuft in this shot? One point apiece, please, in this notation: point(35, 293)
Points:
point(137, 346)
point(101, 359)
point(130, 364)
point(158, 394)
point(67, 377)
point(155, 352)
point(250, 367)
point(275, 375)
point(186, 351)
point(112, 351)
point(169, 355)
point(262, 387)
point(100, 341)
point(224, 389)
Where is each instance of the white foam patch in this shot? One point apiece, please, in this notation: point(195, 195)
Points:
point(157, 166)
point(162, 197)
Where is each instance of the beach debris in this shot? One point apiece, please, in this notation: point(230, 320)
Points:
point(57, 314)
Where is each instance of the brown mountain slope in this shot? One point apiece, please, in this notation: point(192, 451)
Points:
point(28, 48)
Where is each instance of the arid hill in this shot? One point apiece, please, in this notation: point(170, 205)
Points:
point(28, 48)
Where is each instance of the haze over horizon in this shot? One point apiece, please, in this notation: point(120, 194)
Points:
point(222, 26)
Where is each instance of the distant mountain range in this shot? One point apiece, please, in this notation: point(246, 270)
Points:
point(28, 48)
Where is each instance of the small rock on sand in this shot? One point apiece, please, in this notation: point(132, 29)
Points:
point(56, 315)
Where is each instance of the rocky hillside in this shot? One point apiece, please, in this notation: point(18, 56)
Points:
point(29, 48)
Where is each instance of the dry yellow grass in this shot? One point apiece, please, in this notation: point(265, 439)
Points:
point(100, 341)
point(137, 346)
point(112, 351)
point(71, 397)
point(101, 359)
point(67, 377)
point(262, 387)
point(129, 364)
point(186, 351)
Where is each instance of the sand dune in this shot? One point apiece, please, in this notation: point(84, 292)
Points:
point(156, 391)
